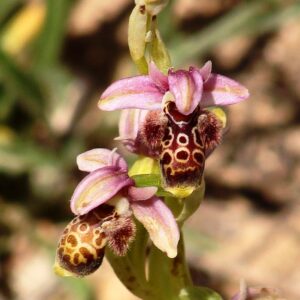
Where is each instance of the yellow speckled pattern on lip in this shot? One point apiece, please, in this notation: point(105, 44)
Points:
point(81, 248)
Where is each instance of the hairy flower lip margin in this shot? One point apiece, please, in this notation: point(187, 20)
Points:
point(108, 179)
point(189, 88)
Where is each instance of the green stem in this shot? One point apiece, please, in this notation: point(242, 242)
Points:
point(130, 269)
point(167, 276)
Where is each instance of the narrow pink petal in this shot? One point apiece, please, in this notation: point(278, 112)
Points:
point(205, 71)
point(158, 77)
point(221, 90)
point(135, 92)
point(141, 193)
point(97, 188)
point(186, 87)
point(129, 125)
point(159, 222)
point(130, 121)
point(94, 159)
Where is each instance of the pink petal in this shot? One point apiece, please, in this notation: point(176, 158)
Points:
point(221, 90)
point(159, 222)
point(97, 188)
point(186, 87)
point(130, 121)
point(135, 92)
point(158, 77)
point(129, 125)
point(94, 159)
point(141, 193)
point(205, 71)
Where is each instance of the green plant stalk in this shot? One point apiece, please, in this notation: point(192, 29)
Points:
point(130, 269)
point(167, 276)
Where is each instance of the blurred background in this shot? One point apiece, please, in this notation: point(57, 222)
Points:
point(56, 57)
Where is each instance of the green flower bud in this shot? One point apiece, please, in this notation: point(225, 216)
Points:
point(153, 7)
point(137, 29)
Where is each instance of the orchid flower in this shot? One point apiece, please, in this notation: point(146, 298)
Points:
point(165, 118)
point(105, 202)
point(189, 88)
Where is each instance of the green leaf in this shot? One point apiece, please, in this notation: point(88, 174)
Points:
point(198, 293)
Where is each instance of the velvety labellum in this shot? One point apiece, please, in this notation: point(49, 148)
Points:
point(182, 155)
point(181, 143)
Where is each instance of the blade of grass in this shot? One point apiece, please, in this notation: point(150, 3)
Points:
point(7, 100)
point(6, 7)
point(50, 41)
point(255, 17)
point(19, 154)
point(21, 83)
point(272, 20)
point(201, 42)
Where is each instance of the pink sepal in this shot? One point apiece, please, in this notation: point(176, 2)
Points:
point(141, 193)
point(129, 126)
point(219, 90)
point(158, 77)
point(94, 159)
point(134, 92)
point(97, 188)
point(160, 224)
point(205, 71)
